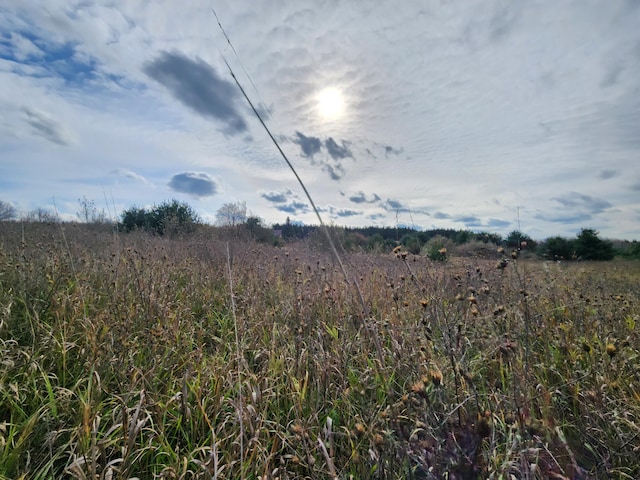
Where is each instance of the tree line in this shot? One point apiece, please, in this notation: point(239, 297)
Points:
point(174, 217)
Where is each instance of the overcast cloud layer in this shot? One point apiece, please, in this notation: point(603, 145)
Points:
point(473, 114)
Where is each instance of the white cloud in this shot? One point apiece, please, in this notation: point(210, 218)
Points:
point(456, 112)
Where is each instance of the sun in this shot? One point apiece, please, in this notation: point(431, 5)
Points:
point(330, 103)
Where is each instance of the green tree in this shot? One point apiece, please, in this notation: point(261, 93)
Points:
point(437, 248)
point(257, 231)
point(133, 218)
point(463, 236)
point(376, 243)
point(168, 217)
point(412, 243)
point(590, 247)
point(519, 240)
point(558, 248)
point(629, 249)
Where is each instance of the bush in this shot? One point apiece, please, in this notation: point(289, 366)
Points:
point(477, 249)
point(437, 248)
point(558, 248)
point(590, 247)
point(168, 217)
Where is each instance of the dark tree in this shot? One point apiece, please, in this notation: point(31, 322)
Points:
point(519, 240)
point(168, 217)
point(558, 248)
point(590, 247)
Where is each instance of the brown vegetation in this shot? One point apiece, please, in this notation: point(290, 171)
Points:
point(138, 356)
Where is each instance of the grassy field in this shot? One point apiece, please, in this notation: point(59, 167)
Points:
point(134, 356)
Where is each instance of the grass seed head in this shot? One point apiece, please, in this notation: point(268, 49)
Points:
point(436, 377)
point(359, 429)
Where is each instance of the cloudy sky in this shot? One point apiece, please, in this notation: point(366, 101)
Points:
point(466, 114)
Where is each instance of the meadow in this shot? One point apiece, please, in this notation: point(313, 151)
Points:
point(138, 356)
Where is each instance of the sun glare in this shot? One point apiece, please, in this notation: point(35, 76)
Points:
point(330, 103)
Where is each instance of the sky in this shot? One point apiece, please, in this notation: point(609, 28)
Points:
point(486, 115)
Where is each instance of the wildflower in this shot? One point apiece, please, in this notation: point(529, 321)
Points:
point(297, 429)
point(418, 387)
point(424, 302)
point(360, 429)
point(611, 350)
point(436, 377)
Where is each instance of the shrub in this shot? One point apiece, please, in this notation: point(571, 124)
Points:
point(590, 247)
point(437, 248)
point(168, 217)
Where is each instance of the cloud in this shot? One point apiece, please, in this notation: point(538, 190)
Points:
point(376, 216)
point(310, 146)
point(587, 203)
point(286, 201)
point(24, 48)
point(294, 208)
point(277, 197)
point(123, 172)
point(606, 174)
point(192, 183)
point(469, 220)
point(197, 85)
point(361, 197)
point(336, 151)
point(569, 218)
point(388, 150)
point(392, 205)
point(343, 212)
point(47, 127)
point(336, 172)
point(497, 223)
point(503, 19)
point(441, 215)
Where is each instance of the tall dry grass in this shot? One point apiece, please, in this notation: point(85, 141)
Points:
point(120, 360)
